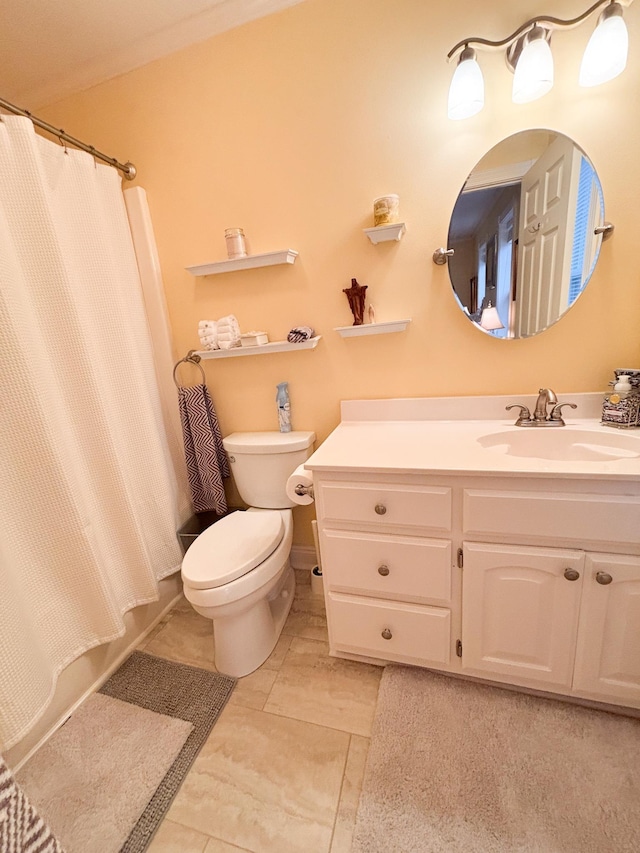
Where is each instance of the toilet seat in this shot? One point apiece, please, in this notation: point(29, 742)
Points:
point(232, 547)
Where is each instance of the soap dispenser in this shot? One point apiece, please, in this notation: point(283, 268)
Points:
point(622, 385)
point(284, 407)
point(621, 406)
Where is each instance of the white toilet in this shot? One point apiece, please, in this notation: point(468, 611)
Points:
point(237, 572)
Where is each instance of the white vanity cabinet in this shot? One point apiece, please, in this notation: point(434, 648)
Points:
point(388, 568)
point(476, 548)
point(504, 580)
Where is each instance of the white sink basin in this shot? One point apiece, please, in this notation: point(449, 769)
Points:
point(563, 443)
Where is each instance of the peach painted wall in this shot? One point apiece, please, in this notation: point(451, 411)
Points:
point(289, 127)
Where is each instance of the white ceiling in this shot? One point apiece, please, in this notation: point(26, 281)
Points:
point(53, 48)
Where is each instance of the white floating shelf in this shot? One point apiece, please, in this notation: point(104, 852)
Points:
point(267, 259)
point(263, 349)
point(372, 328)
point(385, 232)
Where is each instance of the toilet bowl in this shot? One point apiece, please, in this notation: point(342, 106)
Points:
point(237, 572)
point(248, 612)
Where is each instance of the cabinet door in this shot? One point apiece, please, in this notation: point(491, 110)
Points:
point(608, 653)
point(520, 612)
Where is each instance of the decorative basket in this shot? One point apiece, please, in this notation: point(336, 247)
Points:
point(621, 412)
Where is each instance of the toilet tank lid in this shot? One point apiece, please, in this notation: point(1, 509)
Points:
point(274, 442)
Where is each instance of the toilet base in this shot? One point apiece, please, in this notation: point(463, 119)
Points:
point(243, 641)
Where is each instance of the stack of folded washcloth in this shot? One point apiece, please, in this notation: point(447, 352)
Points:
point(219, 334)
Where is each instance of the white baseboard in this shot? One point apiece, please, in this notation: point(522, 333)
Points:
point(303, 557)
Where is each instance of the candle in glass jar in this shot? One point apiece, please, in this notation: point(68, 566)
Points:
point(385, 209)
point(236, 247)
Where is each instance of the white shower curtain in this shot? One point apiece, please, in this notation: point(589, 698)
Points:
point(88, 497)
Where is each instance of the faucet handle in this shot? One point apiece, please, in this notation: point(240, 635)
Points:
point(525, 415)
point(556, 412)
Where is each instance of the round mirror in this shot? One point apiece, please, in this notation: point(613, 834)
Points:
point(524, 234)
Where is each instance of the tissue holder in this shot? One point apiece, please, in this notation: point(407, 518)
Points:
point(254, 339)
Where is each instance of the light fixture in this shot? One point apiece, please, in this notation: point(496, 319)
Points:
point(466, 95)
point(606, 53)
point(533, 75)
point(490, 319)
point(528, 56)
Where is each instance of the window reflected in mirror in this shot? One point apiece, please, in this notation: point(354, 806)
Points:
point(524, 233)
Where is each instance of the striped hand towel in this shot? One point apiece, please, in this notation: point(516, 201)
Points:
point(207, 463)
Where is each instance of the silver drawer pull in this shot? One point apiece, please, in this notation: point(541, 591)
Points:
point(604, 578)
point(380, 509)
point(386, 634)
point(571, 574)
point(383, 570)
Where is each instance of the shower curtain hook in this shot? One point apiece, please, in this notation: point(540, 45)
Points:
point(62, 142)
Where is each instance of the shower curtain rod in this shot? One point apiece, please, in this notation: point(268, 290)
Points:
point(128, 169)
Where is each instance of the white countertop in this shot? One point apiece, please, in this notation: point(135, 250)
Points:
point(584, 448)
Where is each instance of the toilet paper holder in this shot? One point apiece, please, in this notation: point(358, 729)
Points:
point(301, 490)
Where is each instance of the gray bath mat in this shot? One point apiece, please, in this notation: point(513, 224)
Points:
point(177, 690)
point(459, 767)
point(105, 780)
point(93, 778)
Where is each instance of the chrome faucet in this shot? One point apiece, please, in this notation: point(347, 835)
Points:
point(545, 397)
point(541, 418)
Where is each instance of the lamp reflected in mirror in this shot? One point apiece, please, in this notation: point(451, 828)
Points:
point(490, 319)
point(526, 232)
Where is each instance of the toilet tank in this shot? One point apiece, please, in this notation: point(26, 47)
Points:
point(261, 463)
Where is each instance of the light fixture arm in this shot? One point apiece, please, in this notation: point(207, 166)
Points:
point(547, 21)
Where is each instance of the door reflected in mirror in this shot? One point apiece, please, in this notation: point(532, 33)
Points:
point(524, 233)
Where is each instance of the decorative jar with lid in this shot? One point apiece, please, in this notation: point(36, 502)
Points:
point(236, 245)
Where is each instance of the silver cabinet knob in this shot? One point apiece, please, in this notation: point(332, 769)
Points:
point(383, 570)
point(380, 509)
point(386, 634)
point(571, 574)
point(604, 578)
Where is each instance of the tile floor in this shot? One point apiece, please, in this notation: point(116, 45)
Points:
point(282, 769)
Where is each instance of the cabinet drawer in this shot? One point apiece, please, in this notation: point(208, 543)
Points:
point(550, 516)
point(425, 507)
point(396, 567)
point(416, 634)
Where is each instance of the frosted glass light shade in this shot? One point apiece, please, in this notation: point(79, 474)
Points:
point(534, 72)
point(606, 53)
point(466, 93)
point(490, 319)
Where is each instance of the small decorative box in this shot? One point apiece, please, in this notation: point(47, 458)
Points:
point(621, 412)
point(254, 339)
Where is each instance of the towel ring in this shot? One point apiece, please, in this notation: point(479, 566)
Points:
point(191, 357)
